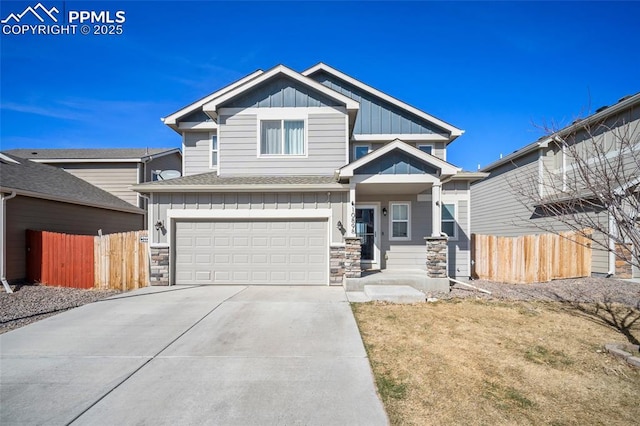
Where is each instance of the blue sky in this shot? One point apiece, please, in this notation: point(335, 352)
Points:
point(498, 70)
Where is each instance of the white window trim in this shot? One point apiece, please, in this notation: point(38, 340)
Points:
point(217, 152)
point(390, 214)
point(453, 237)
point(270, 117)
point(360, 145)
point(432, 146)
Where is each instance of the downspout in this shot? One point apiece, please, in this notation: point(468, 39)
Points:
point(3, 261)
point(612, 247)
point(453, 280)
point(149, 236)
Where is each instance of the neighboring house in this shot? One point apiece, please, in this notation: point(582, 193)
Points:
point(114, 169)
point(499, 207)
point(40, 197)
point(284, 172)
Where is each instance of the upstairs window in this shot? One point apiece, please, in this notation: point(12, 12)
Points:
point(426, 148)
point(214, 151)
point(282, 137)
point(449, 221)
point(360, 151)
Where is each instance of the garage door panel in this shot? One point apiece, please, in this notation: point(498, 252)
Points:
point(203, 258)
point(278, 259)
point(203, 275)
point(251, 252)
point(278, 242)
point(221, 242)
point(261, 258)
point(260, 242)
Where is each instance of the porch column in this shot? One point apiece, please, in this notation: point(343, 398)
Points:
point(351, 213)
point(436, 210)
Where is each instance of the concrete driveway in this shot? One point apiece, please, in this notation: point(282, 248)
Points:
point(193, 355)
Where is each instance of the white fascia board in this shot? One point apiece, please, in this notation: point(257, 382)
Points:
point(543, 143)
point(32, 194)
point(195, 125)
point(240, 188)
point(249, 214)
point(104, 160)
point(446, 168)
point(85, 160)
point(211, 106)
point(172, 118)
point(150, 157)
point(8, 159)
point(429, 137)
point(455, 132)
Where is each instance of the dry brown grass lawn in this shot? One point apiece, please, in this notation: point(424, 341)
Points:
point(488, 362)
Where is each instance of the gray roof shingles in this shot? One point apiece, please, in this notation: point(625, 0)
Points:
point(53, 182)
point(86, 154)
point(214, 179)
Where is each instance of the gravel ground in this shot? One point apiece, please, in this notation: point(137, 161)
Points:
point(31, 303)
point(587, 290)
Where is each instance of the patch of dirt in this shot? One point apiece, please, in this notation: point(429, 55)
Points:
point(580, 290)
point(31, 303)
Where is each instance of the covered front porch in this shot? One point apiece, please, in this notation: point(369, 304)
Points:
point(395, 198)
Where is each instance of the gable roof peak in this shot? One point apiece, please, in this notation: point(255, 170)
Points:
point(212, 105)
point(320, 66)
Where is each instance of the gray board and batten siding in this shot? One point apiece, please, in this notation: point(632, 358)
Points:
point(281, 92)
point(272, 201)
point(396, 163)
point(497, 209)
point(377, 116)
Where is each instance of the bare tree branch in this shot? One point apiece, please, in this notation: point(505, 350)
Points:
point(589, 181)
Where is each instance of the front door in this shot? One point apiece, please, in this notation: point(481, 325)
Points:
point(367, 230)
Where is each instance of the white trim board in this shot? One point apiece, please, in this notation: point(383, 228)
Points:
point(411, 137)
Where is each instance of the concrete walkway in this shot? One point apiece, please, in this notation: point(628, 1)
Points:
point(191, 356)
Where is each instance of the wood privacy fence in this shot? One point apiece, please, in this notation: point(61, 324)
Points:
point(114, 261)
point(531, 258)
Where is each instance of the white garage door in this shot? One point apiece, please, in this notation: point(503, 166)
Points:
point(288, 251)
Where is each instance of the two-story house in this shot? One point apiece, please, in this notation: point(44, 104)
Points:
point(285, 171)
point(548, 185)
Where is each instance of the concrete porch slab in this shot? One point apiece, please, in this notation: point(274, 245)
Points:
point(394, 293)
point(417, 279)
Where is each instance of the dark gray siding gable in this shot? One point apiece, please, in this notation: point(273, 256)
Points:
point(281, 92)
point(377, 116)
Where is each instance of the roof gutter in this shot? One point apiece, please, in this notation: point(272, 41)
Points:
point(32, 194)
point(240, 188)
